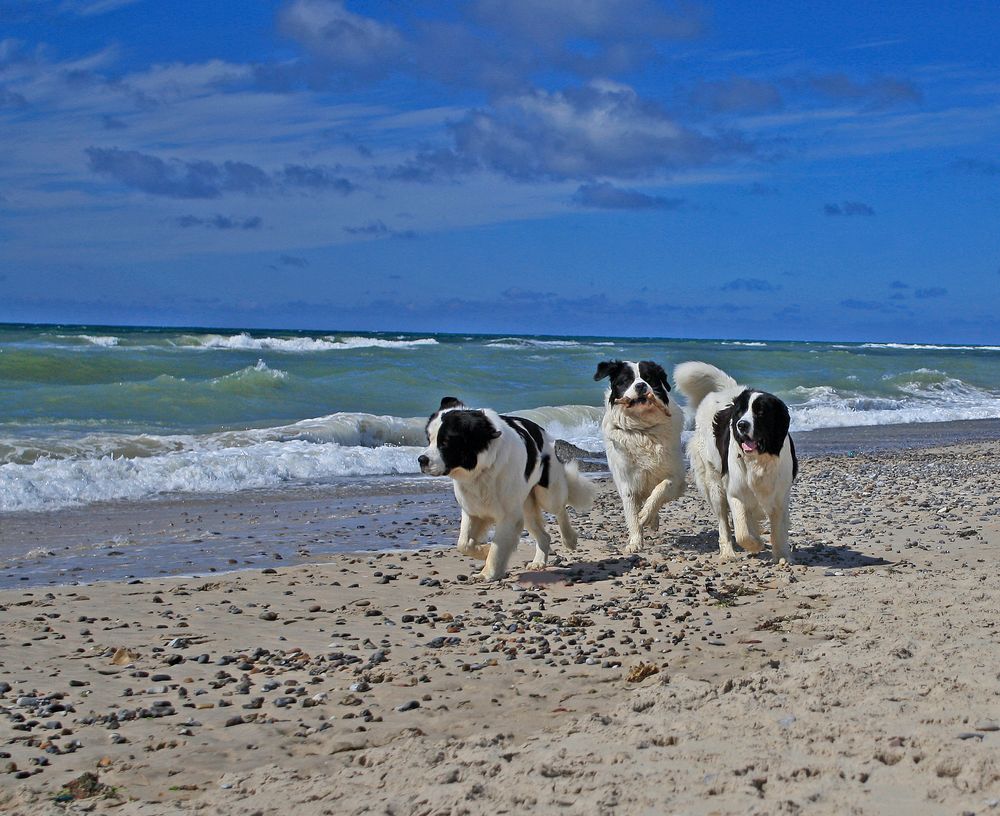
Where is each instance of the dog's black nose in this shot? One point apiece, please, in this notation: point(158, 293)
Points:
point(423, 461)
point(743, 426)
point(641, 388)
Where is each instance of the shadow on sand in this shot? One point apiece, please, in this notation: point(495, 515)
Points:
point(581, 572)
point(814, 555)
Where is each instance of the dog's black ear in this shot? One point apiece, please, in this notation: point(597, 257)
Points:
point(654, 373)
point(607, 369)
point(450, 402)
point(772, 420)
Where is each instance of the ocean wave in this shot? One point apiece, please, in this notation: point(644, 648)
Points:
point(345, 429)
point(250, 379)
point(922, 347)
point(924, 395)
point(77, 341)
point(115, 467)
point(245, 342)
point(753, 343)
point(578, 424)
point(48, 484)
point(530, 342)
point(99, 340)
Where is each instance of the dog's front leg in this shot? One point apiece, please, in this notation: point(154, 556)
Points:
point(504, 544)
point(779, 534)
point(630, 506)
point(745, 526)
point(472, 537)
point(667, 490)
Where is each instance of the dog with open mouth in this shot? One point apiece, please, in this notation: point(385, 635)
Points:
point(642, 435)
point(505, 473)
point(742, 456)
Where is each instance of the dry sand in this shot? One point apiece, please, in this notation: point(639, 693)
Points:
point(866, 679)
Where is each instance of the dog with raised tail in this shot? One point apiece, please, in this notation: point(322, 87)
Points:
point(642, 435)
point(742, 456)
point(505, 473)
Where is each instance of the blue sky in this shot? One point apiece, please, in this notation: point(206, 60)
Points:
point(780, 170)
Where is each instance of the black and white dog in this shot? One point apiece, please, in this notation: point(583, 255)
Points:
point(505, 473)
point(642, 436)
point(742, 457)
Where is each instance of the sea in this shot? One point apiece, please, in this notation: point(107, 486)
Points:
point(98, 414)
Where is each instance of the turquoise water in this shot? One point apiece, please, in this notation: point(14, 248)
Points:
point(109, 413)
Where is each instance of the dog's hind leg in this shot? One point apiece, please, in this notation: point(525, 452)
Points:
point(535, 522)
point(472, 537)
point(745, 526)
point(504, 543)
point(566, 529)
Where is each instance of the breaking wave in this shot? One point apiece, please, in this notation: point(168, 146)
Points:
point(245, 342)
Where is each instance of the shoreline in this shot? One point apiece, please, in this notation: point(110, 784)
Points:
point(214, 534)
point(856, 681)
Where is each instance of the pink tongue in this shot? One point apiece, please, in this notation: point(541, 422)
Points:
point(749, 446)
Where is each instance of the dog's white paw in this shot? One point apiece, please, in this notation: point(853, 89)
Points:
point(633, 546)
point(480, 552)
point(538, 563)
point(725, 556)
point(650, 519)
point(488, 575)
point(751, 545)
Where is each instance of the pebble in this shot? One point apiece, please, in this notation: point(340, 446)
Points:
point(268, 616)
point(408, 706)
point(987, 725)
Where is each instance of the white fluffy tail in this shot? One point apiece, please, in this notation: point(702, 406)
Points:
point(697, 380)
point(579, 488)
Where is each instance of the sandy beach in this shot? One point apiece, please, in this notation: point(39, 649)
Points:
point(864, 679)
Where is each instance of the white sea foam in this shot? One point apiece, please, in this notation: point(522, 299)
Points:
point(100, 340)
point(245, 342)
point(753, 343)
point(115, 467)
point(924, 346)
point(48, 484)
point(919, 396)
point(530, 342)
point(105, 341)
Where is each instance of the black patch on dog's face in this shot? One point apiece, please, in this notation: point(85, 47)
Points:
point(770, 421)
point(462, 436)
point(654, 374)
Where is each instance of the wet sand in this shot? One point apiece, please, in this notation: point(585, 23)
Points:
point(864, 679)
